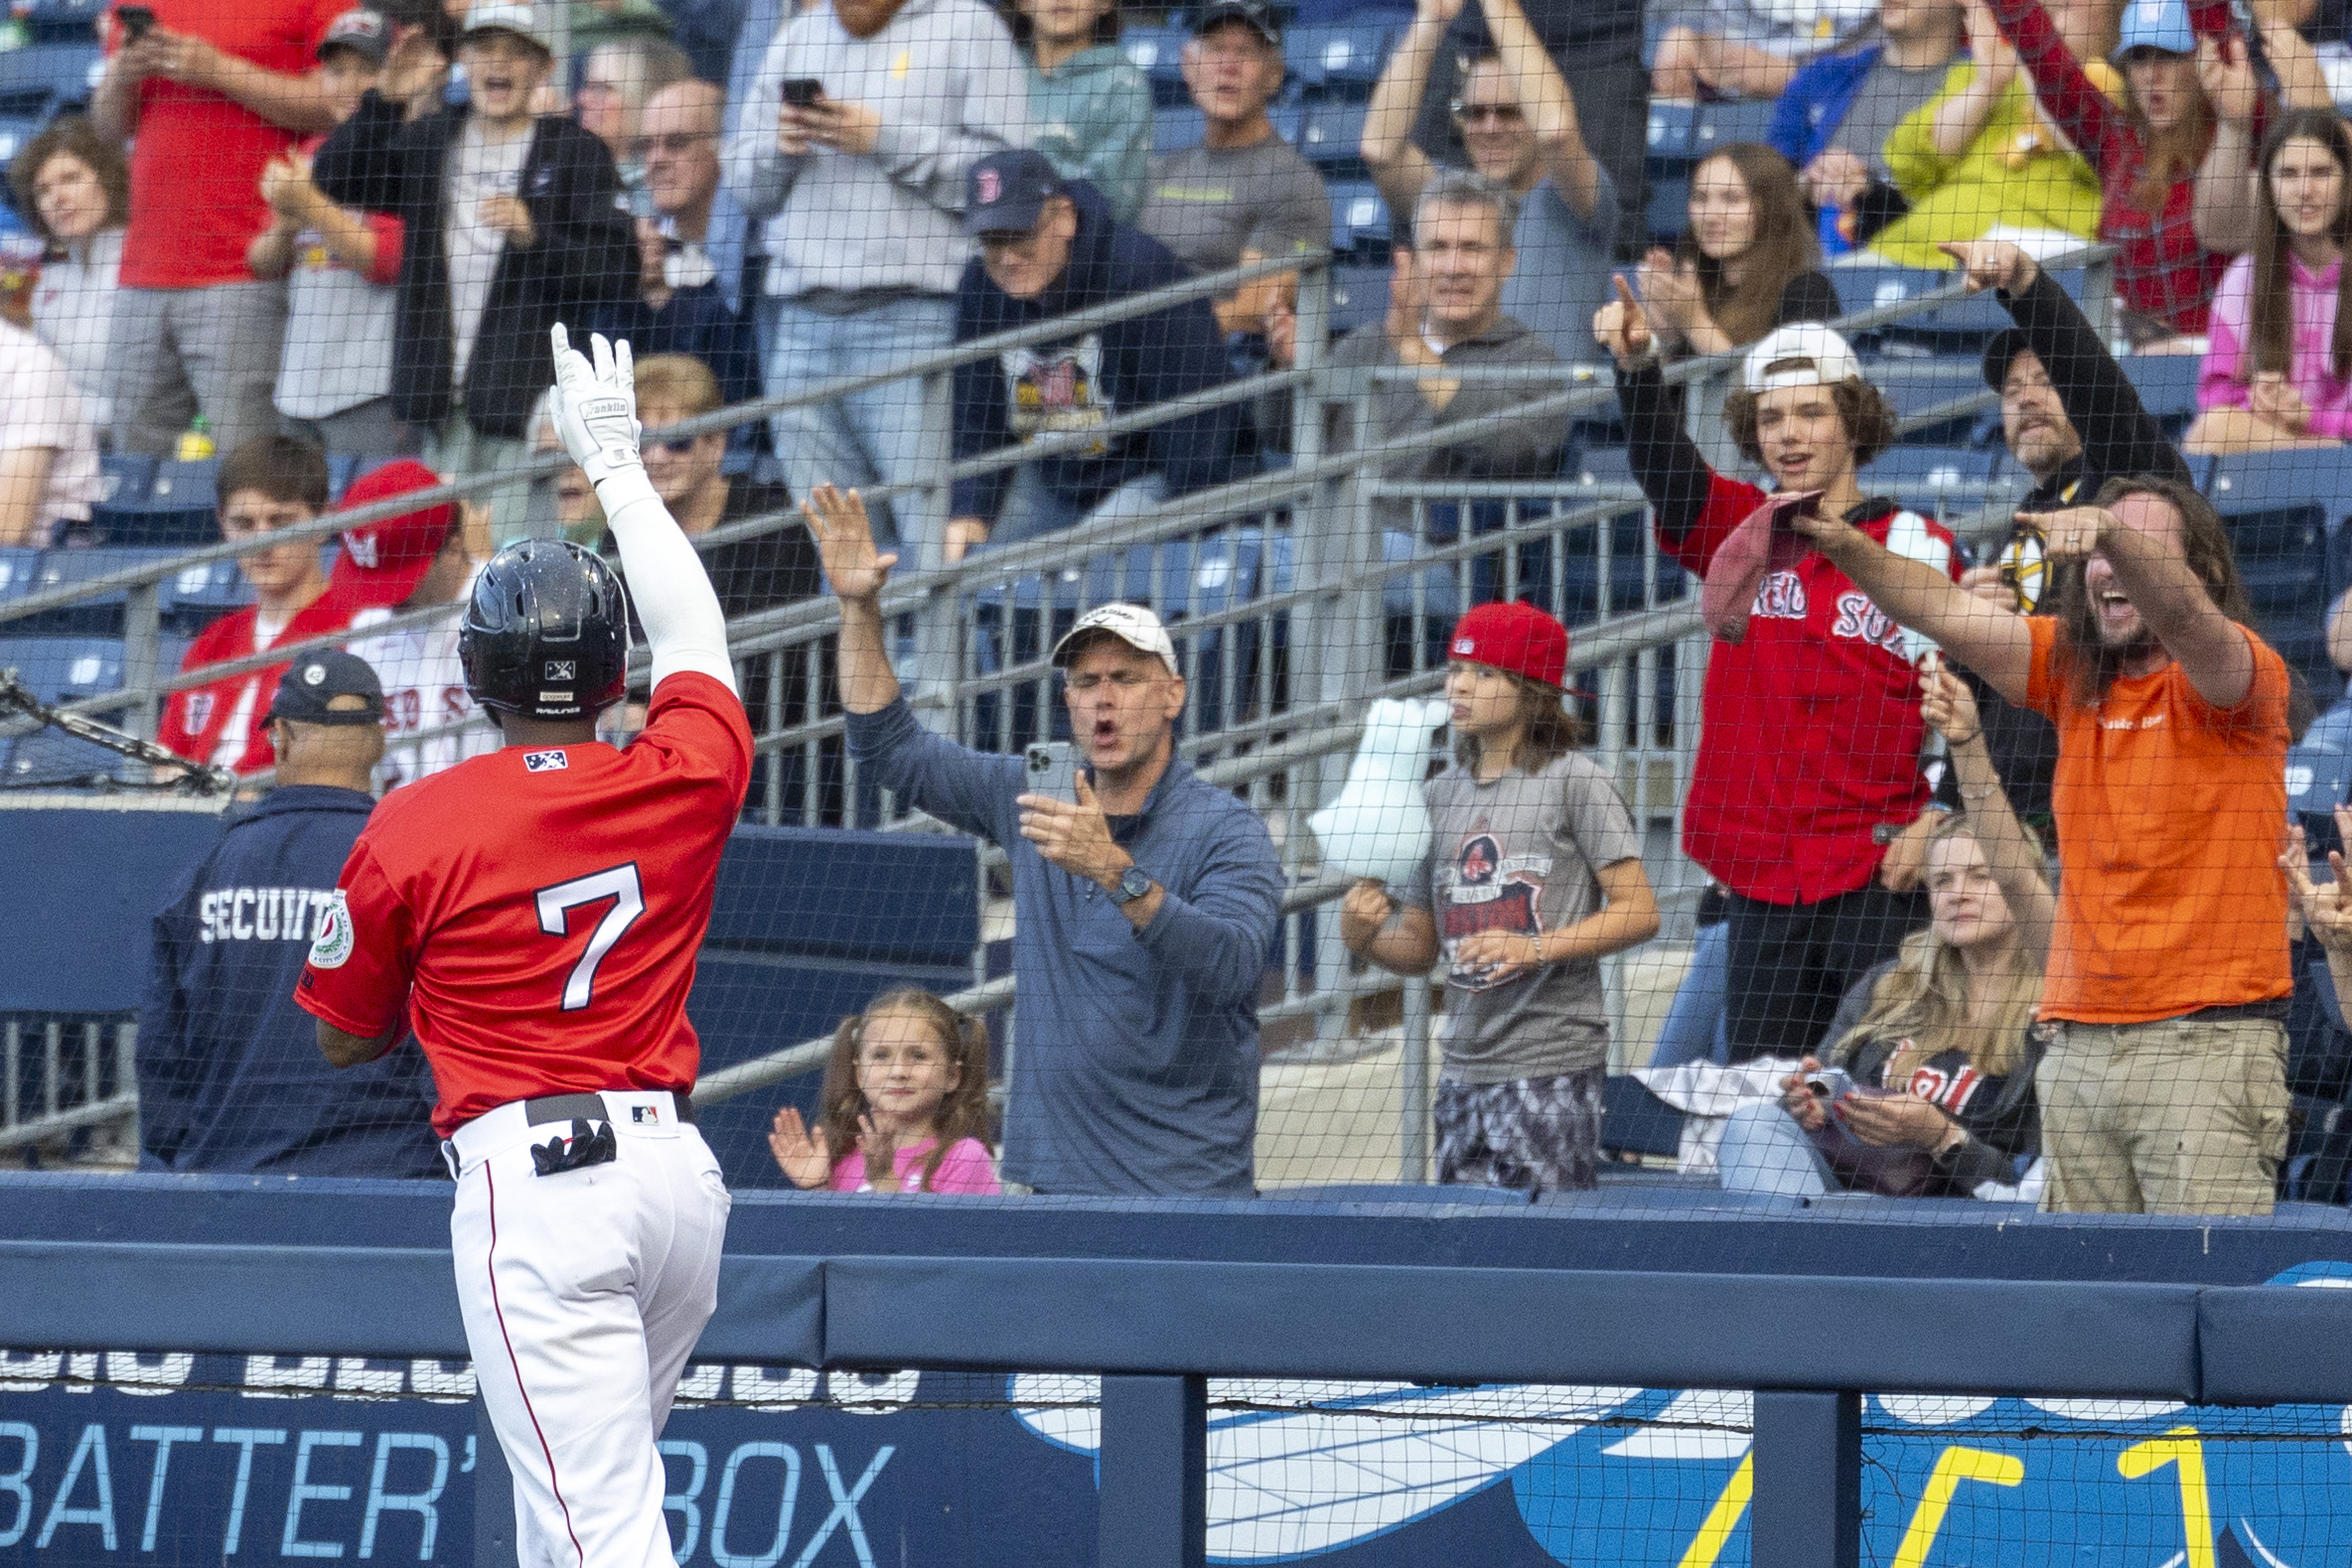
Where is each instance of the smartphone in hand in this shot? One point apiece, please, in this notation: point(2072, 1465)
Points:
point(136, 20)
point(801, 93)
point(1052, 771)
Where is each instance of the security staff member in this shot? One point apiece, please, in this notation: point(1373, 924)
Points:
point(230, 1076)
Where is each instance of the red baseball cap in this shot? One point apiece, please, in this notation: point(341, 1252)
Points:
point(1518, 638)
point(383, 562)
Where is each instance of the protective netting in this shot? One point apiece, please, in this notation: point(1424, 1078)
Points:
point(188, 1459)
point(1467, 398)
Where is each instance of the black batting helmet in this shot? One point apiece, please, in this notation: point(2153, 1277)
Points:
point(546, 633)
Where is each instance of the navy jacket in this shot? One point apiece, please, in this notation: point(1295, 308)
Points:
point(1069, 386)
point(230, 1078)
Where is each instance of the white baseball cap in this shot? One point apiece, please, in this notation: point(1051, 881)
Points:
point(518, 17)
point(1132, 624)
point(1805, 355)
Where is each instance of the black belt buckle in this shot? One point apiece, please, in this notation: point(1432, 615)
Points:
point(590, 1143)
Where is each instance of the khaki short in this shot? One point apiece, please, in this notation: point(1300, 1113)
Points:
point(2182, 1116)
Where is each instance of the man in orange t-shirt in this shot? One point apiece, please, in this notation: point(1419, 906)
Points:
point(2163, 1088)
point(207, 95)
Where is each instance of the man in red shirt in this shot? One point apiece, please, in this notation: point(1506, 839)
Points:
point(535, 914)
point(1806, 802)
point(206, 97)
point(268, 484)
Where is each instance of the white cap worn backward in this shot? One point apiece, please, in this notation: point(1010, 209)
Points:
point(1805, 355)
point(1132, 624)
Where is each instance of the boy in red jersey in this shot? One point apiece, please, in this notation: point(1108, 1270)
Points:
point(1809, 762)
point(534, 915)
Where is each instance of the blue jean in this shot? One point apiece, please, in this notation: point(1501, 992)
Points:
point(874, 437)
point(1763, 1150)
point(1694, 1028)
point(1031, 510)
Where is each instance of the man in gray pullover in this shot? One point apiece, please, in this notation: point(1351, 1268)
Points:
point(853, 145)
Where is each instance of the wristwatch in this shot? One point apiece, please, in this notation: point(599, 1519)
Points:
point(1133, 885)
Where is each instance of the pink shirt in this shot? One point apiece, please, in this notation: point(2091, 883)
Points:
point(965, 1168)
point(2229, 361)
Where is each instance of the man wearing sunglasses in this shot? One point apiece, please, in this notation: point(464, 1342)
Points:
point(1517, 122)
point(683, 303)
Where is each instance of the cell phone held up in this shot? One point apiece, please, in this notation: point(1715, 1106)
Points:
point(801, 93)
point(136, 20)
point(1052, 771)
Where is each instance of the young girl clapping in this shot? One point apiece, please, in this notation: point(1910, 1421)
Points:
point(905, 1101)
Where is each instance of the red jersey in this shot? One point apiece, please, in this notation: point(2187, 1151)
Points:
point(539, 912)
point(196, 156)
point(1812, 725)
point(222, 722)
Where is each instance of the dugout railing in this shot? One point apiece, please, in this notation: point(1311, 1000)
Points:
point(1297, 595)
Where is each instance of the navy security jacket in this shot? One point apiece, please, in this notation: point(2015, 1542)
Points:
point(1122, 368)
point(230, 1078)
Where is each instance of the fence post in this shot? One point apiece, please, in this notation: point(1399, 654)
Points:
point(1807, 1509)
point(1152, 1500)
point(142, 654)
point(1413, 1131)
point(938, 661)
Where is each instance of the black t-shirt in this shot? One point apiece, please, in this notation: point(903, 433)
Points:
point(776, 568)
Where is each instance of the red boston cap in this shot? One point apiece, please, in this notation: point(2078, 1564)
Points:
point(383, 562)
point(1518, 638)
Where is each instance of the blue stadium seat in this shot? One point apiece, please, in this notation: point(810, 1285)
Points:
point(124, 479)
point(63, 669)
point(1343, 56)
point(1674, 132)
point(1359, 228)
point(37, 79)
point(185, 485)
point(1721, 124)
point(1176, 126)
point(2282, 509)
point(1332, 139)
point(1964, 324)
point(19, 570)
point(54, 760)
point(1289, 120)
point(60, 21)
point(2167, 387)
point(166, 506)
point(16, 130)
point(1914, 386)
point(1667, 213)
point(1159, 54)
point(1359, 295)
point(1935, 481)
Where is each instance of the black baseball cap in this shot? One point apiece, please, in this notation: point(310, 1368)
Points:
point(1255, 13)
point(364, 32)
point(315, 680)
point(2006, 346)
point(1005, 191)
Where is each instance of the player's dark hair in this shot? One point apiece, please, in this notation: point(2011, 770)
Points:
point(279, 466)
point(1548, 727)
point(1868, 418)
point(2087, 667)
point(962, 1115)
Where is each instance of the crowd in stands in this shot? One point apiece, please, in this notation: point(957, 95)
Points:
point(314, 234)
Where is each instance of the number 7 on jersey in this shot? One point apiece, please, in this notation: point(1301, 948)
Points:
point(620, 885)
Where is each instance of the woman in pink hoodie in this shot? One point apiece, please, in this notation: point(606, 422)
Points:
point(2278, 372)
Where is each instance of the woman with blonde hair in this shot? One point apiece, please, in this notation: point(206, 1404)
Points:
point(1931, 1092)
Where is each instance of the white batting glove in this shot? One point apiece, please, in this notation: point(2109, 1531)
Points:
point(596, 407)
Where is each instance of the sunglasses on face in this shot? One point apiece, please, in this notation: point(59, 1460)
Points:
point(677, 144)
point(1499, 113)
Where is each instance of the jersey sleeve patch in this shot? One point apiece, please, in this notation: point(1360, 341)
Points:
point(331, 948)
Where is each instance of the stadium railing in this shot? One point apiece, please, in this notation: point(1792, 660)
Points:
point(1276, 586)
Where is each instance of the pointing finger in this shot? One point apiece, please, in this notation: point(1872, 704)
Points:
point(1624, 292)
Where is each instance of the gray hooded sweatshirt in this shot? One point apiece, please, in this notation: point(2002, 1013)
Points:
point(951, 88)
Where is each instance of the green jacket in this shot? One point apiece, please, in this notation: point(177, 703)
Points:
point(2014, 174)
point(1093, 121)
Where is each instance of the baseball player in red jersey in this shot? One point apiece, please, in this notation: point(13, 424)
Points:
point(533, 915)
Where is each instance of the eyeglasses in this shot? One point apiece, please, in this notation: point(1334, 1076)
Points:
point(675, 144)
point(1500, 114)
point(1123, 680)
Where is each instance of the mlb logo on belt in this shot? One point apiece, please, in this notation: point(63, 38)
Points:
point(544, 762)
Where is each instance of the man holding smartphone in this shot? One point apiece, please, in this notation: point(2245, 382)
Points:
point(206, 93)
point(1144, 906)
point(1807, 802)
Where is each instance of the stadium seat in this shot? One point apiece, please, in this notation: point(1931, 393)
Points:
point(19, 570)
point(1332, 139)
point(39, 79)
point(1915, 385)
point(1963, 323)
point(2167, 387)
point(160, 506)
point(54, 760)
point(188, 485)
point(1734, 121)
point(60, 21)
point(1360, 225)
point(1935, 481)
point(1289, 120)
point(1159, 54)
point(1666, 213)
point(1359, 295)
point(1343, 57)
point(1673, 130)
point(2281, 509)
point(63, 669)
point(125, 478)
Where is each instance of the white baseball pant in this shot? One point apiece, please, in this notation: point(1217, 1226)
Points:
point(584, 1293)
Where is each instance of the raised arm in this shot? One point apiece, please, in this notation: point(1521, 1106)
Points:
point(2009, 852)
point(855, 571)
point(1551, 108)
point(1993, 641)
point(1956, 118)
point(2154, 574)
point(2098, 130)
point(1397, 167)
point(2327, 908)
point(596, 415)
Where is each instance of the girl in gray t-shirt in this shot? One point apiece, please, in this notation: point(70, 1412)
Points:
point(1531, 876)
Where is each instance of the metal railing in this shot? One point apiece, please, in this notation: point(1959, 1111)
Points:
point(1276, 588)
